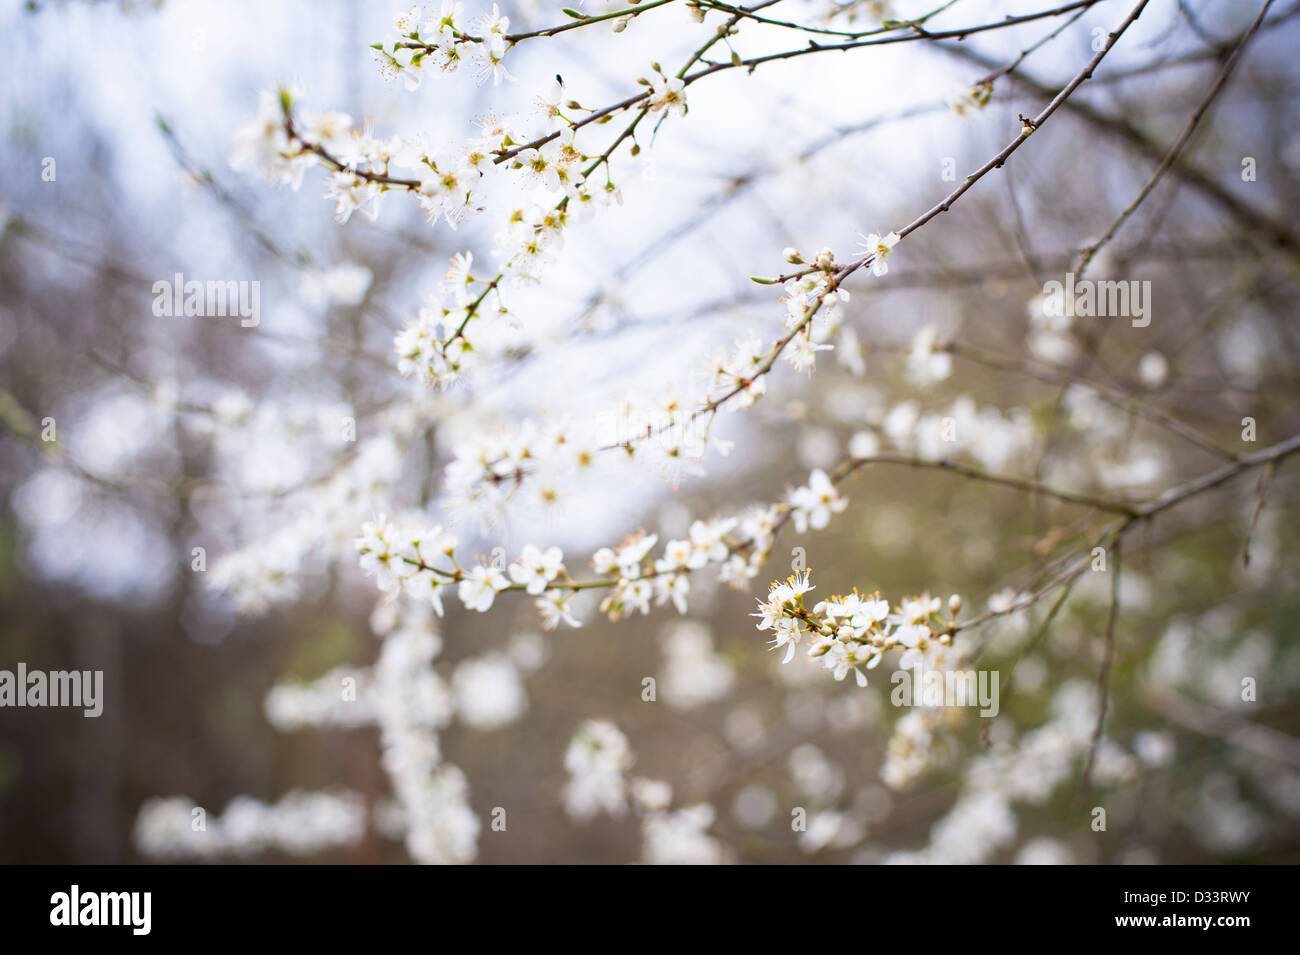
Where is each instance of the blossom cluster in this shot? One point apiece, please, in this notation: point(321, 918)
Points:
point(411, 557)
point(965, 100)
point(434, 345)
point(410, 703)
point(598, 760)
point(431, 798)
point(283, 142)
point(853, 632)
point(300, 824)
point(1025, 770)
point(302, 523)
point(992, 437)
point(670, 434)
point(550, 174)
point(439, 39)
point(694, 673)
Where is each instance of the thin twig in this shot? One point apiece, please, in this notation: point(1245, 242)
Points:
point(1107, 659)
point(1179, 143)
point(1005, 480)
point(1262, 491)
